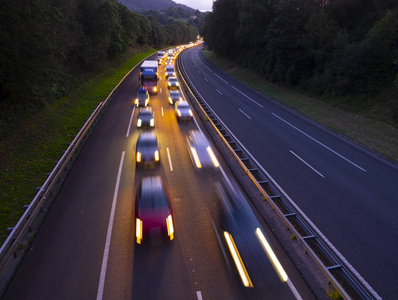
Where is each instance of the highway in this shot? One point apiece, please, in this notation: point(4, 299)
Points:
point(348, 192)
point(86, 246)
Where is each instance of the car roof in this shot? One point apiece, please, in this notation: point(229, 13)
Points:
point(198, 137)
point(175, 92)
point(142, 91)
point(147, 136)
point(182, 104)
point(152, 194)
point(173, 78)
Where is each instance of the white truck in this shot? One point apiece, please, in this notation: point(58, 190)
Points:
point(149, 76)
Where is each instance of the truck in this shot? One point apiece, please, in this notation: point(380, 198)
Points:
point(149, 76)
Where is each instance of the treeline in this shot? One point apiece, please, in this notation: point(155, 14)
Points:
point(48, 46)
point(172, 14)
point(332, 47)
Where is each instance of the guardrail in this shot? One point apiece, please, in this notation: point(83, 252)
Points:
point(13, 249)
point(339, 272)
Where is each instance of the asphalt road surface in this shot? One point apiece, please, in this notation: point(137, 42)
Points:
point(348, 192)
point(86, 246)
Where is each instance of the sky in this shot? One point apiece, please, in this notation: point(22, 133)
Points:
point(197, 4)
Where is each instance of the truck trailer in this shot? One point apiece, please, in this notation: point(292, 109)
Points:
point(149, 76)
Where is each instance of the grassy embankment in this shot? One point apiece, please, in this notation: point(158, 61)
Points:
point(30, 152)
point(376, 135)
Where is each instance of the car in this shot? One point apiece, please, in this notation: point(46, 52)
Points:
point(200, 151)
point(174, 96)
point(145, 118)
point(173, 83)
point(142, 98)
point(147, 149)
point(170, 71)
point(153, 212)
point(183, 111)
point(241, 235)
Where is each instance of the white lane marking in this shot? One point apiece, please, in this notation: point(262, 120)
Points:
point(168, 155)
point(101, 284)
point(131, 120)
point(162, 111)
point(221, 78)
point(207, 67)
point(198, 71)
point(247, 96)
point(244, 113)
point(206, 79)
point(199, 295)
point(308, 165)
point(219, 92)
point(323, 145)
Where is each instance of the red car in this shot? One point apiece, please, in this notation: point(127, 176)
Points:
point(153, 213)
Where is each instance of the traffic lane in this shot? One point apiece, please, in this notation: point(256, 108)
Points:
point(364, 186)
point(64, 261)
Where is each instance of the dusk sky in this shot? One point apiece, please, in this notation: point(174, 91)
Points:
point(197, 4)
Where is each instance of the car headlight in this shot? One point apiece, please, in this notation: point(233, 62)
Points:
point(190, 113)
point(136, 101)
point(152, 122)
point(155, 89)
point(138, 157)
point(178, 112)
point(138, 230)
point(170, 100)
point(170, 227)
point(177, 84)
point(169, 83)
point(146, 101)
point(156, 155)
point(139, 123)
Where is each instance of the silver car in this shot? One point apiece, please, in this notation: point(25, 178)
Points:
point(145, 118)
point(173, 84)
point(199, 148)
point(174, 96)
point(183, 111)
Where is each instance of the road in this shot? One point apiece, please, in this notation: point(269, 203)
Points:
point(348, 192)
point(86, 249)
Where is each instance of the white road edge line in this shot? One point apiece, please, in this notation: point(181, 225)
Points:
point(323, 145)
point(219, 92)
point(131, 120)
point(293, 289)
point(307, 164)
point(244, 113)
point(101, 284)
point(168, 155)
point(247, 96)
point(199, 295)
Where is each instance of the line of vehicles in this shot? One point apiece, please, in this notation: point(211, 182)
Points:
point(243, 243)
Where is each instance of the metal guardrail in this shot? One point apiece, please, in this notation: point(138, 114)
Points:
point(12, 250)
point(339, 272)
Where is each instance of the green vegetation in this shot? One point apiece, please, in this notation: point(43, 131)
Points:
point(30, 152)
point(332, 293)
point(344, 51)
point(378, 135)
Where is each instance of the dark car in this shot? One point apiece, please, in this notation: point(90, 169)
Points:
point(153, 213)
point(241, 235)
point(174, 96)
point(147, 149)
point(145, 118)
point(199, 148)
point(142, 98)
point(183, 111)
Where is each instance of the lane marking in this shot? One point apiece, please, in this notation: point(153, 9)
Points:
point(162, 111)
point(247, 96)
point(101, 285)
point(323, 145)
point(293, 289)
point(170, 164)
point(308, 165)
point(131, 120)
point(207, 67)
point(244, 113)
point(219, 92)
point(206, 79)
point(221, 78)
point(198, 71)
point(199, 295)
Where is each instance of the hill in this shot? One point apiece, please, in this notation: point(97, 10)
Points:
point(140, 5)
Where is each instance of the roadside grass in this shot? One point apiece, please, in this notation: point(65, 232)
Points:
point(30, 151)
point(376, 135)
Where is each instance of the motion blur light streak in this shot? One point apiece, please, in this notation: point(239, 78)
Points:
point(238, 261)
point(213, 157)
point(138, 230)
point(170, 227)
point(196, 158)
point(278, 267)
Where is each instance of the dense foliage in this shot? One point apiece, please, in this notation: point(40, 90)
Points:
point(172, 14)
point(333, 47)
point(49, 46)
